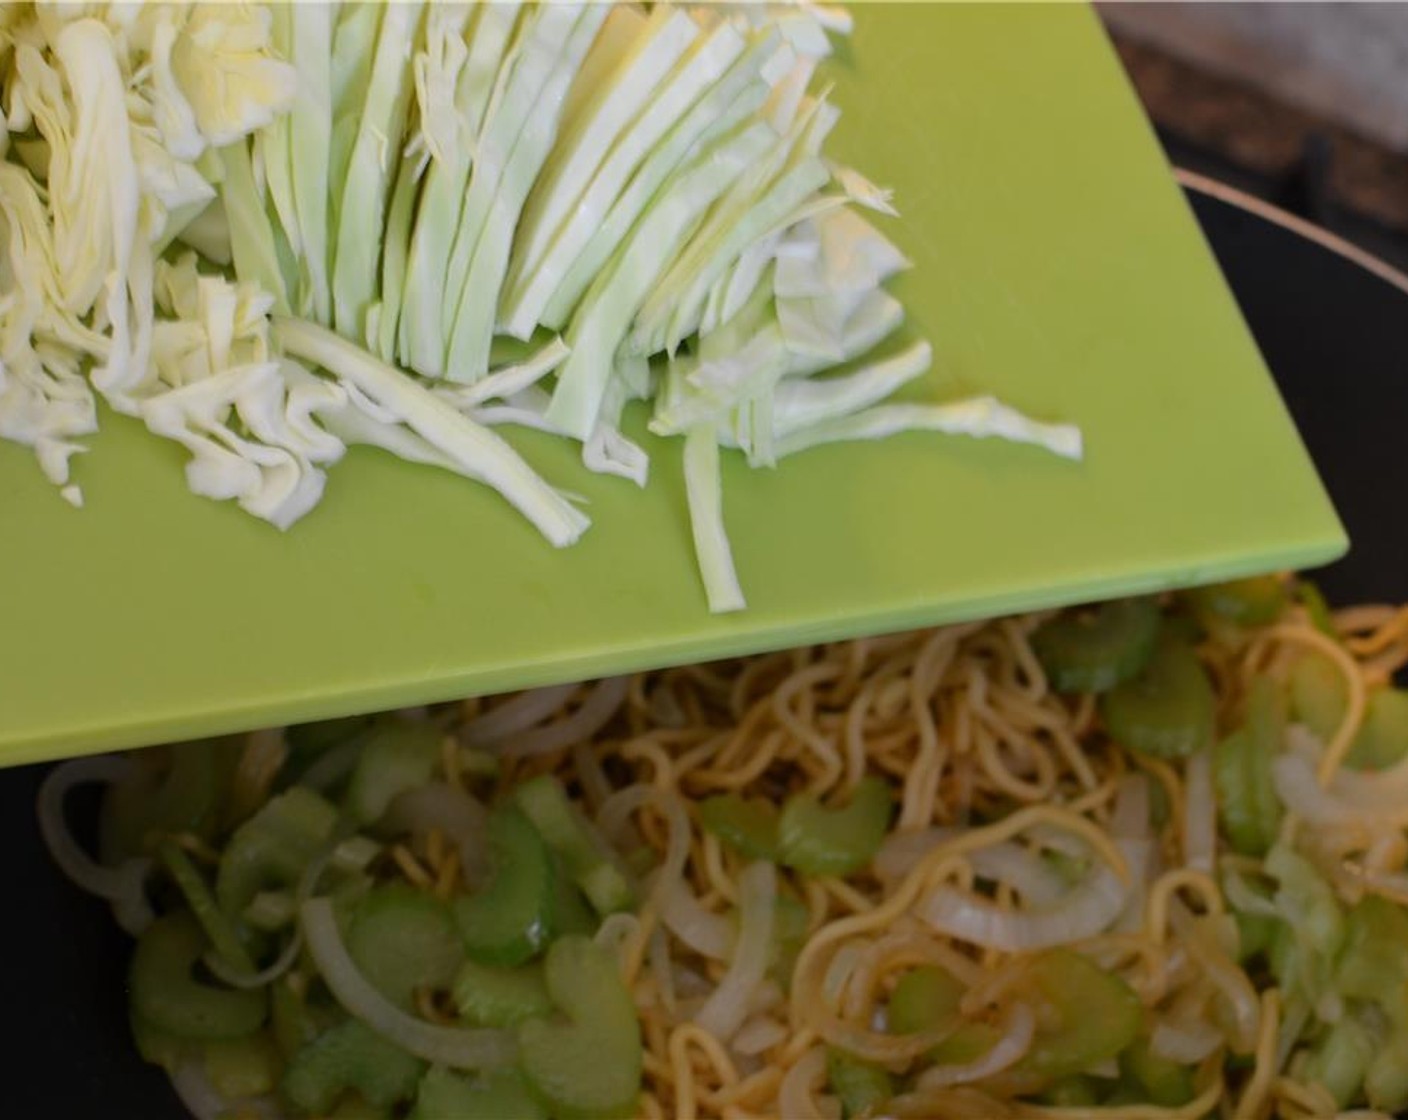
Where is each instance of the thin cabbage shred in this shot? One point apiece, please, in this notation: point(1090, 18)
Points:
point(272, 231)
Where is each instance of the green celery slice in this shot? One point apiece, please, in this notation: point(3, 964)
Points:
point(403, 939)
point(271, 849)
point(592, 1063)
point(822, 841)
point(166, 994)
point(1094, 650)
point(747, 823)
point(501, 997)
point(495, 1095)
point(397, 756)
point(350, 1056)
point(576, 844)
point(509, 920)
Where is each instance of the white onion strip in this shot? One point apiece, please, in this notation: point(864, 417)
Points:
point(265, 976)
point(205, 1102)
point(904, 849)
point(1086, 910)
point(726, 1008)
point(663, 970)
point(200, 1097)
point(757, 1035)
point(1130, 825)
point(796, 1098)
point(125, 885)
point(1005, 1052)
point(1198, 934)
point(1358, 800)
point(594, 714)
point(1186, 1041)
point(709, 934)
point(448, 1046)
point(1011, 864)
point(455, 813)
point(522, 712)
point(1199, 813)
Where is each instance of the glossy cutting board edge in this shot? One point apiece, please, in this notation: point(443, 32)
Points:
point(1056, 265)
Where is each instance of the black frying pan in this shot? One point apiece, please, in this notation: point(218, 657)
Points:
point(1333, 328)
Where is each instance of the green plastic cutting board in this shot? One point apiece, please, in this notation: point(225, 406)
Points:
point(1056, 264)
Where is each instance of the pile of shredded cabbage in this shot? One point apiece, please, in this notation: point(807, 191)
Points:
point(271, 232)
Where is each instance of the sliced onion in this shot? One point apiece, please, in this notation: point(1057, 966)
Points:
point(765, 997)
point(201, 1098)
point(205, 1102)
point(841, 968)
point(1006, 1051)
point(615, 933)
point(1054, 838)
point(1302, 794)
point(455, 813)
point(613, 820)
point(596, 788)
point(1131, 826)
point(663, 969)
point(265, 976)
point(594, 714)
point(1008, 863)
point(1086, 910)
point(1355, 799)
point(691, 984)
point(354, 854)
point(1199, 813)
point(1200, 935)
point(1186, 1041)
point(1020, 869)
point(708, 934)
point(1130, 815)
point(904, 848)
point(125, 885)
point(1240, 894)
point(522, 712)
point(724, 1011)
point(1392, 885)
point(455, 1047)
point(758, 1035)
point(796, 1096)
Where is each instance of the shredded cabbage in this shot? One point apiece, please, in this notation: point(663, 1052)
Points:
point(273, 231)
